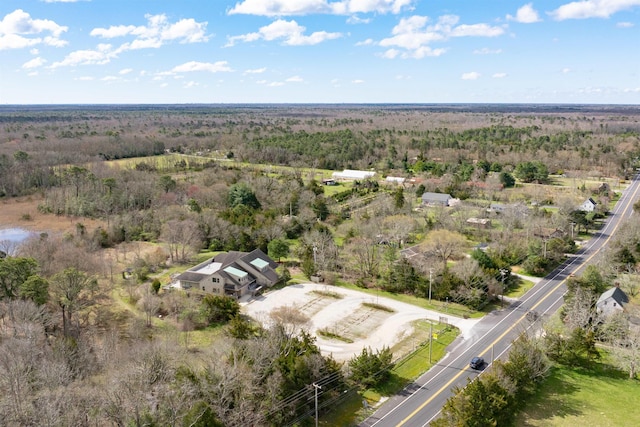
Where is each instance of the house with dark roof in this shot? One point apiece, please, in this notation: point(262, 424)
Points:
point(232, 273)
point(437, 199)
point(612, 301)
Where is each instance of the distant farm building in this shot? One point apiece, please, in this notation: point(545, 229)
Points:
point(437, 199)
point(352, 175)
point(395, 180)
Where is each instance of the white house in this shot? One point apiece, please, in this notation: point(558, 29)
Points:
point(232, 273)
point(352, 175)
point(612, 301)
point(588, 205)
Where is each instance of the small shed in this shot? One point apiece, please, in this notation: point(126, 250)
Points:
point(438, 199)
point(483, 223)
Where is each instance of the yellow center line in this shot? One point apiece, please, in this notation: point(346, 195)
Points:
point(510, 328)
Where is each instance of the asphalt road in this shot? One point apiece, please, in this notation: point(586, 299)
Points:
point(421, 402)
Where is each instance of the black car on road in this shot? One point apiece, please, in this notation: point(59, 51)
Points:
point(476, 363)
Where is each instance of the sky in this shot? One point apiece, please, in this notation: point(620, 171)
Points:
point(319, 51)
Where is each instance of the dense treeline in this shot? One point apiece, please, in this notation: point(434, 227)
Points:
point(329, 138)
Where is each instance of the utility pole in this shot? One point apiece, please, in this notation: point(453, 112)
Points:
point(573, 224)
point(430, 280)
point(317, 387)
point(430, 340)
point(503, 273)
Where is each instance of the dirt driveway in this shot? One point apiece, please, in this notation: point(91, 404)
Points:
point(345, 315)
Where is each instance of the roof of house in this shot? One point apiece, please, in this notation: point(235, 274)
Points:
point(353, 174)
point(440, 197)
point(233, 265)
point(191, 276)
point(616, 294)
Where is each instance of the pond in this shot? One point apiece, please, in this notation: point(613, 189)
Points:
point(16, 235)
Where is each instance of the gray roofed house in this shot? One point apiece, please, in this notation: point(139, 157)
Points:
point(232, 273)
point(441, 199)
point(612, 301)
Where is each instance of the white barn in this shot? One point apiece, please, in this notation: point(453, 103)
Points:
point(352, 175)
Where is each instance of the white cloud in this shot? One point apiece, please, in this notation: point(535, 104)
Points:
point(18, 28)
point(275, 84)
point(390, 53)
point(290, 31)
point(357, 81)
point(63, 1)
point(255, 71)
point(499, 75)
point(525, 15)
point(473, 75)
point(125, 71)
point(190, 84)
point(102, 55)
point(34, 63)
point(414, 36)
point(354, 20)
point(109, 78)
point(592, 9)
point(625, 24)
point(157, 32)
point(487, 51)
point(295, 79)
point(85, 78)
point(566, 70)
point(34, 51)
point(192, 66)
point(307, 7)
point(366, 42)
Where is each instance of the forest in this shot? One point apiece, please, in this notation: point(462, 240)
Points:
point(90, 335)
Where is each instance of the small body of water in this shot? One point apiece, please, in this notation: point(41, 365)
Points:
point(17, 235)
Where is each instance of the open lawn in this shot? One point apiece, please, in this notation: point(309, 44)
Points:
point(573, 397)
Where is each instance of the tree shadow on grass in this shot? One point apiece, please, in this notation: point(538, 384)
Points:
point(555, 398)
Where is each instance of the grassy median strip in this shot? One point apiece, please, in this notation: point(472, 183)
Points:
point(328, 294)
point(326, 333)
point(378, 307)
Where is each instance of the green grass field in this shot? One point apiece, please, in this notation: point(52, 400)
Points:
point(600, 397)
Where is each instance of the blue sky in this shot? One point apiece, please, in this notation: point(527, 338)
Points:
point(319, 51)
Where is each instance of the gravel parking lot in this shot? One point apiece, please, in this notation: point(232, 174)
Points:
point(348, 317)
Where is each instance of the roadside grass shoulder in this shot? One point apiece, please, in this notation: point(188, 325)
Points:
point(599, 397)
point(441, 306)
point(522, 286)
point(416, 347)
